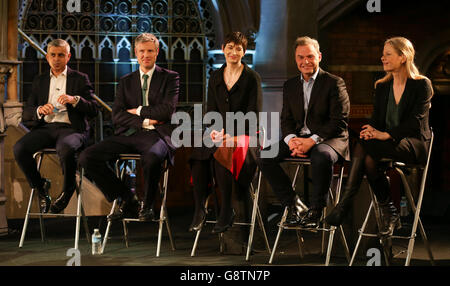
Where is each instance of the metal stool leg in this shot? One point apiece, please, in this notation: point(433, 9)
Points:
point(301, 244)
point(108, 226)
point(194, 247)
point(125, 232)
point(25, 224)
point(280, 230)
point(255, 214)
point(361, 231)
point(77, 227)
point(419, 222)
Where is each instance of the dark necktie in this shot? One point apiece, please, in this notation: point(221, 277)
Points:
point(144, 90)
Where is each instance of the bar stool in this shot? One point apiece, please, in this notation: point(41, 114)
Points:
point(399, 167)
point(163, 216)
point(256, 214)
point(305, 162)
point(38, 156)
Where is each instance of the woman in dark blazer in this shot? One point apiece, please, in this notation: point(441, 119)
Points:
point(233, 88)
point(398, 130)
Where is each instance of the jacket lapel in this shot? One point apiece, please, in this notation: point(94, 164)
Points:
point(69, 82)
point(46, 88)
point(136, 89)
point(404, 101)
point(155, 85)
point(316, 89)
point(298, 97)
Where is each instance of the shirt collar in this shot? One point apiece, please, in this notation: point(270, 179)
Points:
point(149, 73)
point(64, 73)
point(314, 76)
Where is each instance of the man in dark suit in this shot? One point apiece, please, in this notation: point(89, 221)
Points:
point(58, 108)
point(314, 125)
point(142, 111)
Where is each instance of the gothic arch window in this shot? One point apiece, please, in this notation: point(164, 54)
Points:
point(101, 35)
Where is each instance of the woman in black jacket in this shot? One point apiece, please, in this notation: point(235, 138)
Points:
point(398, 130)
point(233, 88)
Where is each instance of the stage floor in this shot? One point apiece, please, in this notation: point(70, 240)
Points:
point(143, 240)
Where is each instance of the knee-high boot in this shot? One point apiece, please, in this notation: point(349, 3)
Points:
point(389, 213)
point(342, 209)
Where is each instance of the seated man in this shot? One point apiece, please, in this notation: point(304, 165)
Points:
point(58, 108)
point(143, 107)
point(314, 124)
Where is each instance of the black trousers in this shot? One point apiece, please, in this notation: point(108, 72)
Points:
point(61, 136)
point(148, 144)
point(202, 172)
point(322, 156)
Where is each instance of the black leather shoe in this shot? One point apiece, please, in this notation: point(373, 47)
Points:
point(292, 218)
point(311, 219)
point(44, 199)
point(337, 215)
point(296, 212)
point(146, 213)
point(61, 202)
point(220, 227)
point(198, 220)
point(128, 209)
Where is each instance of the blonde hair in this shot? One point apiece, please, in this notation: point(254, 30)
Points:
point(403, 47)
point(146, 37)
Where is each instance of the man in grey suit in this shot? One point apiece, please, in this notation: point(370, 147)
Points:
point(314, 123)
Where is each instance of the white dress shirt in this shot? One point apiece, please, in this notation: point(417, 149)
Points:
point(307, 88)
point(146, 124)
point(56, 89)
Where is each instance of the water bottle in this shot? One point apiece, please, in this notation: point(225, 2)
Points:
point(404, 207)
point(96, 242)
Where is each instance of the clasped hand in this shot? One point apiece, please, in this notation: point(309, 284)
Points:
point(369, 133)
point(300, 146)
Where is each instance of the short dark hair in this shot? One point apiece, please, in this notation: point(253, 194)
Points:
point(237, 38)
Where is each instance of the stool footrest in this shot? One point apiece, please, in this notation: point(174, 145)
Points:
point(54, 215)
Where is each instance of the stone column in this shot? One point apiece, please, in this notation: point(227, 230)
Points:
point(282, 21)
point(12, 107)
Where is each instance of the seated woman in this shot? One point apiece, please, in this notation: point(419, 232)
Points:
point(398, 130)
point(233, 88)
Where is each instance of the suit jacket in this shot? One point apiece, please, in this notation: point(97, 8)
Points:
point(245, 96)
point(162, 100)
point(328, 110)
point(77, 84)
point(413, 113)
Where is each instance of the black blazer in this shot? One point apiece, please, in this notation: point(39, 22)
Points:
point(162, 100)
point(414, 112)
point(328, 110)
point(245, 96)
point(77, 84)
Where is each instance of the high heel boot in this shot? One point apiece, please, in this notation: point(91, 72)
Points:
point(342, 209)
point(390, 217)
